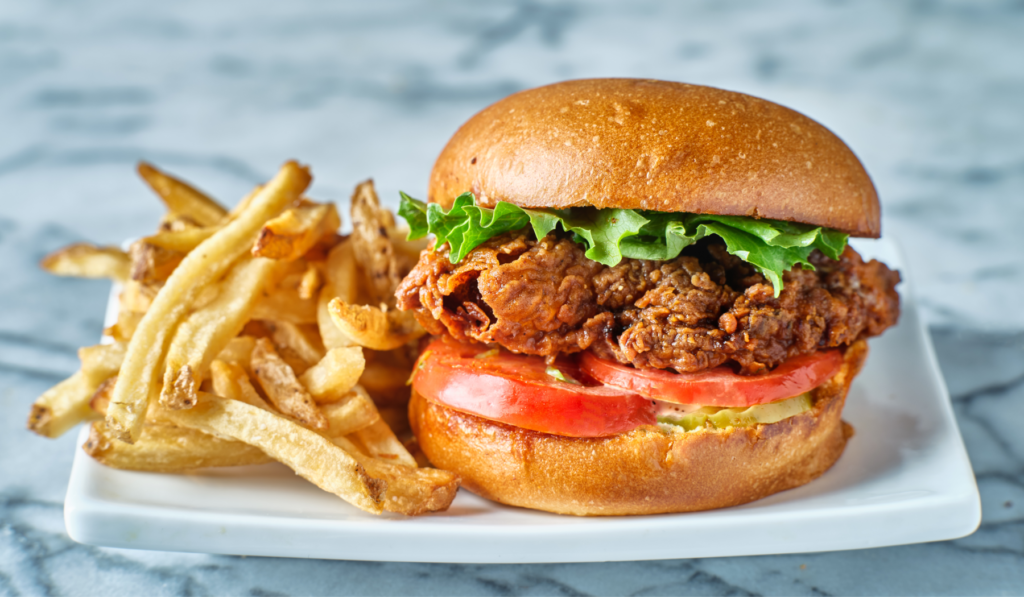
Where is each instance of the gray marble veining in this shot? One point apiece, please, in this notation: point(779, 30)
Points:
point(929, 94)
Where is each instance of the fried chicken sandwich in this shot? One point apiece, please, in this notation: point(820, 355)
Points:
point(641, 298)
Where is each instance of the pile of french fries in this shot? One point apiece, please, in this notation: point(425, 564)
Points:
point(255, 335)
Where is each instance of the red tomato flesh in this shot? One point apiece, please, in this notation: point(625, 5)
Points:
point(518, 390)
point(719, 386)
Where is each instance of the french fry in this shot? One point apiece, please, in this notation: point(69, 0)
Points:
point(125, 325)
point(82, 260)
point(203, 305)
point(172, 222)
point(342, 273)
point(206, 331)
point(255, 330)
point(151, 263)
point(138, 297)
point(62, 407)
point(318, 253)
point(406, 251)
point(207, 295)
point(334, 375)
point(299, 342)
point(238, 352)
point(311, 282)
point(372, 246)
point(163, 448)
point(283, 389)
point(101, 361)
point(380, 442)
point(410, 491)
point(342, 282)
point(182, 198)
point(155, 257)
point(139, 378)
point(231, 381)
point(100, 399)
point(69, 402)
point(182, 241)
point(244, 203)
point(329, 333)
point(295, 231)
point(311, 455)
point(285, 304)
point(373, 328)
point(353, 412)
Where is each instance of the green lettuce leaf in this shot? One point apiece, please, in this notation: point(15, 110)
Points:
point(601, 230)
point(465, 226)
point(771, 246)
point(415, 214)
point(662, 238)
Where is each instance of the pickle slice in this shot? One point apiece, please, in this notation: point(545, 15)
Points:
point(759, 414)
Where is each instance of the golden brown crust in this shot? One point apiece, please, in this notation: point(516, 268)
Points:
point(649, 470)
point(658, 145)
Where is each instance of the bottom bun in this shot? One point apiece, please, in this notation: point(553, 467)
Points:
point(651, 470)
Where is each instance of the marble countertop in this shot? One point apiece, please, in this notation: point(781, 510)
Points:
point(928, 94)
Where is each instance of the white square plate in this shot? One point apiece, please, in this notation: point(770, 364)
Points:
point(905, 478)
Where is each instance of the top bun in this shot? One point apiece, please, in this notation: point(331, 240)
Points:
point(657, 145)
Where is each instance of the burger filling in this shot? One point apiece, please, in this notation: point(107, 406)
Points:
point(578, 398)
point(726, 296)
point(699, 310)
point(691, 417)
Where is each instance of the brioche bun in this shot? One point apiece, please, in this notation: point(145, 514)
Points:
point(657, 145)
point(650, 470)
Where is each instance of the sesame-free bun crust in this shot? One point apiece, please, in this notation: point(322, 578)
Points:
point(657, 145)
point(650, 470)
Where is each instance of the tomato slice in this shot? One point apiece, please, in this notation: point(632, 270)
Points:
point(719, 386)
point(520, 390)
